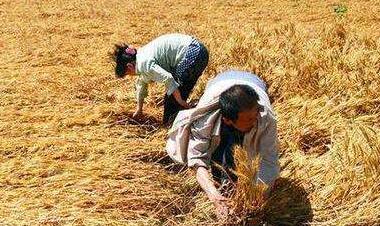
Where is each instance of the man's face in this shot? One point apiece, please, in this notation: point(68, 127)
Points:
point(246, 120)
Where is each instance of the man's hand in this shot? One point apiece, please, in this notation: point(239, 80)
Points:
point(205, 180)
point(220, 203)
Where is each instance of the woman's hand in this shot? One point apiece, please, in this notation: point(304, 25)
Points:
point(139, 108)
point(180, 101)
point(193, 103)
point(185, 105)
point(137, 113)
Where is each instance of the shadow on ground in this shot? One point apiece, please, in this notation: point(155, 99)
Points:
point(161, 158)
point(146, 124)
point(288, 204)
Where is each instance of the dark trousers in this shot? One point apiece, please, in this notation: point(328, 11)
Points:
point(187, 81)
point(223, 156)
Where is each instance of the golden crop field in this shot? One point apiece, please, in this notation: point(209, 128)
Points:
point(70, 154)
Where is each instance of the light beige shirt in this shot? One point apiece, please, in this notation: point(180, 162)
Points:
point(195, 133)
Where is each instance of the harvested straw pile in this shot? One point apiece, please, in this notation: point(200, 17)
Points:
point(71, 155)
point(248, 198)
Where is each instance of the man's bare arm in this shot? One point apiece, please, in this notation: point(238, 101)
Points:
point(205, 180)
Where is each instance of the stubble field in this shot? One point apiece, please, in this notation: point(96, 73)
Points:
point(70, 154)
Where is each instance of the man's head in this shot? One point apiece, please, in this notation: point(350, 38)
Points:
point(239, 107)
point(125, 58)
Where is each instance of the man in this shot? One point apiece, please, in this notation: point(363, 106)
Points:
point(177, 60)
point(234, 110)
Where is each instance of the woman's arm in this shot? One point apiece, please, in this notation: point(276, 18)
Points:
point(161, 75)
point(141, 93)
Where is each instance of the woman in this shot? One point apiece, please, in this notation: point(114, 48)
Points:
point(177, 60)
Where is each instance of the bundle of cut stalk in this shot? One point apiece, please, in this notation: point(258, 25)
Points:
point(248, 197)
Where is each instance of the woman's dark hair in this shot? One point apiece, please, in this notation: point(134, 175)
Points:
point(122, 55)
point(236, 99)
